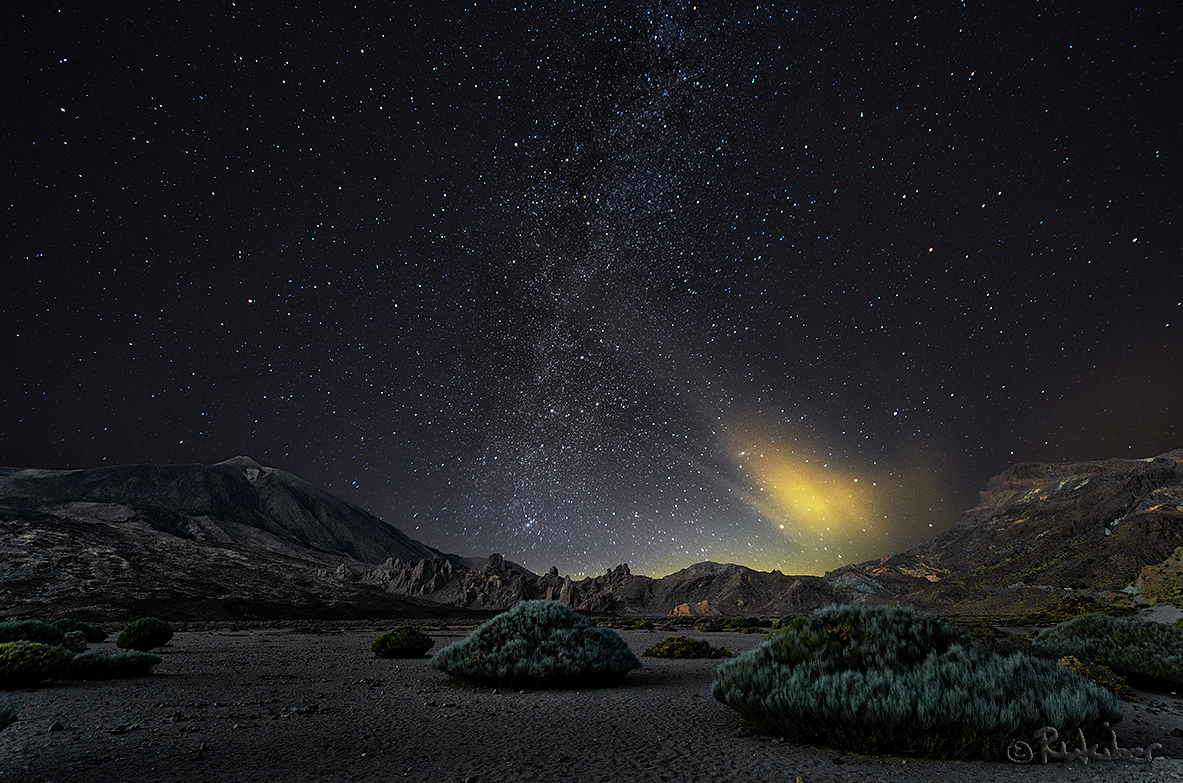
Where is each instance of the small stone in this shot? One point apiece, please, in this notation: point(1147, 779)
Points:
point(56, 726)
point(1177, 732)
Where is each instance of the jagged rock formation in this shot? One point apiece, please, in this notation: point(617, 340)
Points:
point(711, 588)
point(1090, 526)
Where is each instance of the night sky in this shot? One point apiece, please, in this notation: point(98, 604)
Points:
point(781, 284)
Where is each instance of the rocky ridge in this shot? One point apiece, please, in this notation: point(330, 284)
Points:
point(237, 539)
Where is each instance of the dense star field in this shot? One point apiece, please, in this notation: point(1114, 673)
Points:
point(775, 284)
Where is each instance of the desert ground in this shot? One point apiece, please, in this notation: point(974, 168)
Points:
point(239, 702)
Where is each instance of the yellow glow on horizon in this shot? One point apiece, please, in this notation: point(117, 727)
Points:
point(807, 494)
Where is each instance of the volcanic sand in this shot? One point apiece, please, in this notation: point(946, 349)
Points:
point(232, 702)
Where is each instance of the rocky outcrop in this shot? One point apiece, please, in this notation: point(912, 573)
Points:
point(1092, 526)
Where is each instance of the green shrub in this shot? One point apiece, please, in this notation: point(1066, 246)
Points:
point(116, 665)
point(8, 716)
point(1070, 606)
point(781, 623)
point(540, 644)
point(24, 663)
point(1179, 623)
point(30, 631)
point(74, 641)
point(144, 634)
point(93, 634)
point(892, 680)
point(685, 647)
point(1100, 674)
point(743, 623)
point(1130, 646)
point(403, 642)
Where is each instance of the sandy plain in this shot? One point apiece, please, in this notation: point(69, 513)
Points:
point(235, 702)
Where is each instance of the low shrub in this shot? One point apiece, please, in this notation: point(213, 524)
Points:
point(74, 641)
point(403, 642)
point(1069, 606)
point(113, 666)
point(144, 634)
point(8, 716)
point(1100, 674)
point(745, 623)
point(685, 647)
point(30, 631)
point(1179, 623)
point(24, 663)
point(539, 644)
point(892, 680)
point(1133, 647)
point(93, 634)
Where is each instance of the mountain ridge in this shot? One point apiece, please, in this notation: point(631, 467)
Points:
point(239, 538)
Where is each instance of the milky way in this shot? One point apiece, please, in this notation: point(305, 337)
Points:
point(648, 283)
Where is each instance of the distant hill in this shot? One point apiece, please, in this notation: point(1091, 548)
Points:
point(237, 539)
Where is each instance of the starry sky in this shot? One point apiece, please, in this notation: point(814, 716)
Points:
point(648, 282)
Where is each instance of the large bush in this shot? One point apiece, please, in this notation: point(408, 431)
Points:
point(1131, 646)
point(406, 641)
point(539, 644)
point(116, 665)
point(144, 634)
point(891, 680)
point(30, 631)
point(24, 663)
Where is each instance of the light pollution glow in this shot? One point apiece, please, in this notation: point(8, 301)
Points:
point(830, 510)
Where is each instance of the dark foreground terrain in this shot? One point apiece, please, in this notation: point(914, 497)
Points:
point(310, 702)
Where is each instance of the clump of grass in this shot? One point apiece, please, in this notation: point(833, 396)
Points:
point(144, 634)
point(685, 647)
point(405, 641)
point(893, 680)
point(1139, 649)
point(538, 644)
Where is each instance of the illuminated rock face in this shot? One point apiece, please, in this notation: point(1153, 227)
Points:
point(1072, 526)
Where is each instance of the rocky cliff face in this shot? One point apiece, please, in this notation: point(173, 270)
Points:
point(1091, 526)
